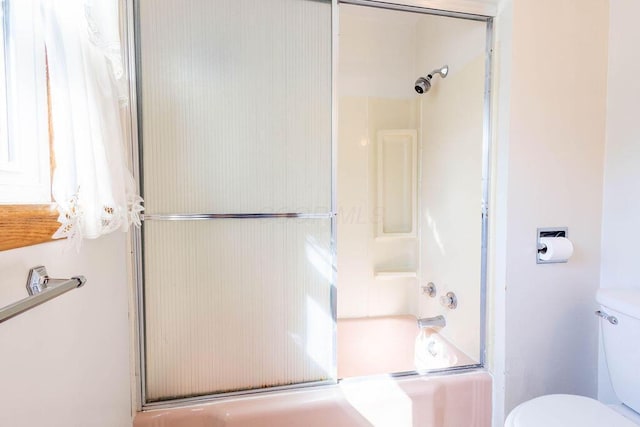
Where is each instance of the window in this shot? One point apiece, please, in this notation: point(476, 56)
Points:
point(26, 214)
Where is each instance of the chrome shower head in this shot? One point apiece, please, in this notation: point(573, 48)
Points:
point(423, 84)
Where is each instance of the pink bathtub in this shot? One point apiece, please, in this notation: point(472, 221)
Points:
point(456, 400)
point(364, 347)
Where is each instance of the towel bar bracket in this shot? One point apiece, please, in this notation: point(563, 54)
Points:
point(38, 280)
point(40, 288)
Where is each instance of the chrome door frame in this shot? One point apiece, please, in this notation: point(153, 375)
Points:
point(130, 53)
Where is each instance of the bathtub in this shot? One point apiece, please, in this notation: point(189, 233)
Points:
point(364, 343)
point(451, 400)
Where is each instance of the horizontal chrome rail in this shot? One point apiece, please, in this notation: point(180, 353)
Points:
point(203, 216)
point(47, 289)
point(416, 9)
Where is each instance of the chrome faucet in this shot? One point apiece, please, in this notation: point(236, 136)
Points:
point(431, 322)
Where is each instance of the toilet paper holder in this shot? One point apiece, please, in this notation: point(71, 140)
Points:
point(548, 232)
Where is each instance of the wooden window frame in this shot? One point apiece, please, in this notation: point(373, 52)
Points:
point(25, 225)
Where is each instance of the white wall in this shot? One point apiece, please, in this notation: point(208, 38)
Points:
point(556, 130)
point(621, 201)
point(66, 363)
point(497, 247)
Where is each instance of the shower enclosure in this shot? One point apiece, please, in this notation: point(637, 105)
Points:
point(290, 190)
point(411, 177)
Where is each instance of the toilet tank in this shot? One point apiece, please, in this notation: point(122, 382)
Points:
point(621, 342)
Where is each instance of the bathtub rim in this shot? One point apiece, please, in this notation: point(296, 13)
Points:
point(309, 386)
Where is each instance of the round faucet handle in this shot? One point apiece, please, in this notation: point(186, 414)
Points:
point(429, 289)
point(449, 300)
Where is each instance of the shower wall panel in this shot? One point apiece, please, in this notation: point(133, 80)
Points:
point(452, 117)
point(376, 273)
point(366, 263)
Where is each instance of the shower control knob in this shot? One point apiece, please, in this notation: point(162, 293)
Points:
point(449, 300)
point(429, 289)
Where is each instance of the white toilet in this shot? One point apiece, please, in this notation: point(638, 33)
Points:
point(620, 313)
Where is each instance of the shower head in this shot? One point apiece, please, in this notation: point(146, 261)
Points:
point(423, 84)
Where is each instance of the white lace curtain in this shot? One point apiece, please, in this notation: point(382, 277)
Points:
point(92, 185)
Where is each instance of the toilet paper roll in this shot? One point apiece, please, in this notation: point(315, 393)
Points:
point(558, 249)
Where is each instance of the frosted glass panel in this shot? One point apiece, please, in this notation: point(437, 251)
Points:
point(236, 105)
point(236, 304)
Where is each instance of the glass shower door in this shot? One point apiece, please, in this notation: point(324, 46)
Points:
point(235, 139)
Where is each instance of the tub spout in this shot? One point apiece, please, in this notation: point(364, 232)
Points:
point(430, 322)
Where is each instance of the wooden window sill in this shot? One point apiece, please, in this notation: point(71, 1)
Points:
point(25, 225)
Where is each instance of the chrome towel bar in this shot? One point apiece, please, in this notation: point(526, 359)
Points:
point(208, 216)
point(41, 288)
